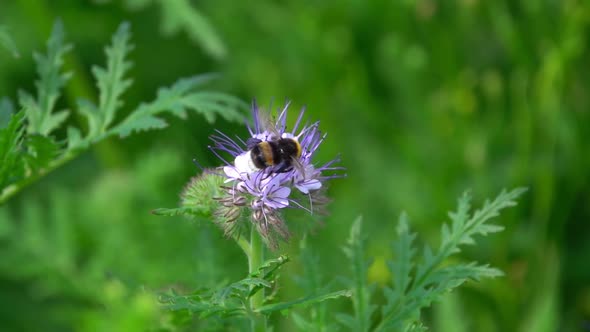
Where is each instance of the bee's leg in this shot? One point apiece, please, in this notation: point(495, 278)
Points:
point(282, 167)
point(252, 142)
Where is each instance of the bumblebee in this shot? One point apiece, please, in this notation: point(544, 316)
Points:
point(282, 154)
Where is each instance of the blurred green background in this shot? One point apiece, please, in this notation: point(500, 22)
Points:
point(422, 100)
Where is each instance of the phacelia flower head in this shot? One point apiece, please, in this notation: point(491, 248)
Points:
point(271, 170)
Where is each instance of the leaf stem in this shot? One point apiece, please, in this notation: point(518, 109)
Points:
point(15, 188)
point(254, 262)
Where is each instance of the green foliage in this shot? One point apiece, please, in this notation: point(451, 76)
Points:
point(180, 15)
point(418, 281)
point(312, 281)
point(7, 42)
point(177, 99)
point(228, 301)
point(233, 300)
point(111, 83)
point(29, 157)
point(41, 115)
point(10, 140)
point(433, 97)
point(363, 310)
point(98, 274)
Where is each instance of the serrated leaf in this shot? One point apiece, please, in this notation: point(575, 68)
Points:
point(176, 100)
point(140, 124)
point(41, 150)
point(431, 280)
point(401, 268)
point(75, 140)
point(268, 270)
point(10, 142)
point(182, 211)
point(355, 251)
point(112, 84)
point(111, 81)
point(54, 121)
point(40, 110)
point(226, 301)
point(7, 42)
point(266, 309)
point(92, 114)
point(317, 317)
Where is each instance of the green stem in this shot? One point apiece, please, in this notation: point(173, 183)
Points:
point(15, 188)
point(245, 245)
point(254, 262)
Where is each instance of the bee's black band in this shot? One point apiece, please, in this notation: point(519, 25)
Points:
point(257, 157)
point(276, 153)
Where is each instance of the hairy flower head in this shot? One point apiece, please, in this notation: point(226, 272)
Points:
point(271, 170)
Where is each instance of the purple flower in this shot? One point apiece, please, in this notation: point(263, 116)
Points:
point(269, 189)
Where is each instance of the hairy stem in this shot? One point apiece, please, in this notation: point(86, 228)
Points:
point(254, 262)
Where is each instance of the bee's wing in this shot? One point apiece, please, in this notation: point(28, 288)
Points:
point(267, 123)
point(298, 166)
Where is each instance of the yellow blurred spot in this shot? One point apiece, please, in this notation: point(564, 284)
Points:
point(378, 271)
point(492, 85)
point(144, 304)
point(114, 290)
point(475, 152)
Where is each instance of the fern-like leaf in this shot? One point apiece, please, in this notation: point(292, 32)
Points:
point(40, 111)
point(111, 81)
point(177, 99)
point(401, 268)
point(312, 282)
point(10, 143)
point(111, 84)
point(41, 150)
point(355, 252)
point(416, 289)
point(308, 300)
point(230, 300)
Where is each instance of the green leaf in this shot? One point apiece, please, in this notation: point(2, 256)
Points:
point(10, 142)
point(41, 150)
point(40, 110)
point(75, 140)
point(229, 300)
point(182, 211)
point(140, 124)
point(7, 42)
point(111, 81)
point(318, 316)
point(401, 268)
point(181, 15)
point(176, 100)
point(6, 110)
point(416, 289)
point(355, 251)
point(269, 308)
point(268, 271)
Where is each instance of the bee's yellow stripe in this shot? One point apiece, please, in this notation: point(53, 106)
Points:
point(266, 150)
point(298, 148)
